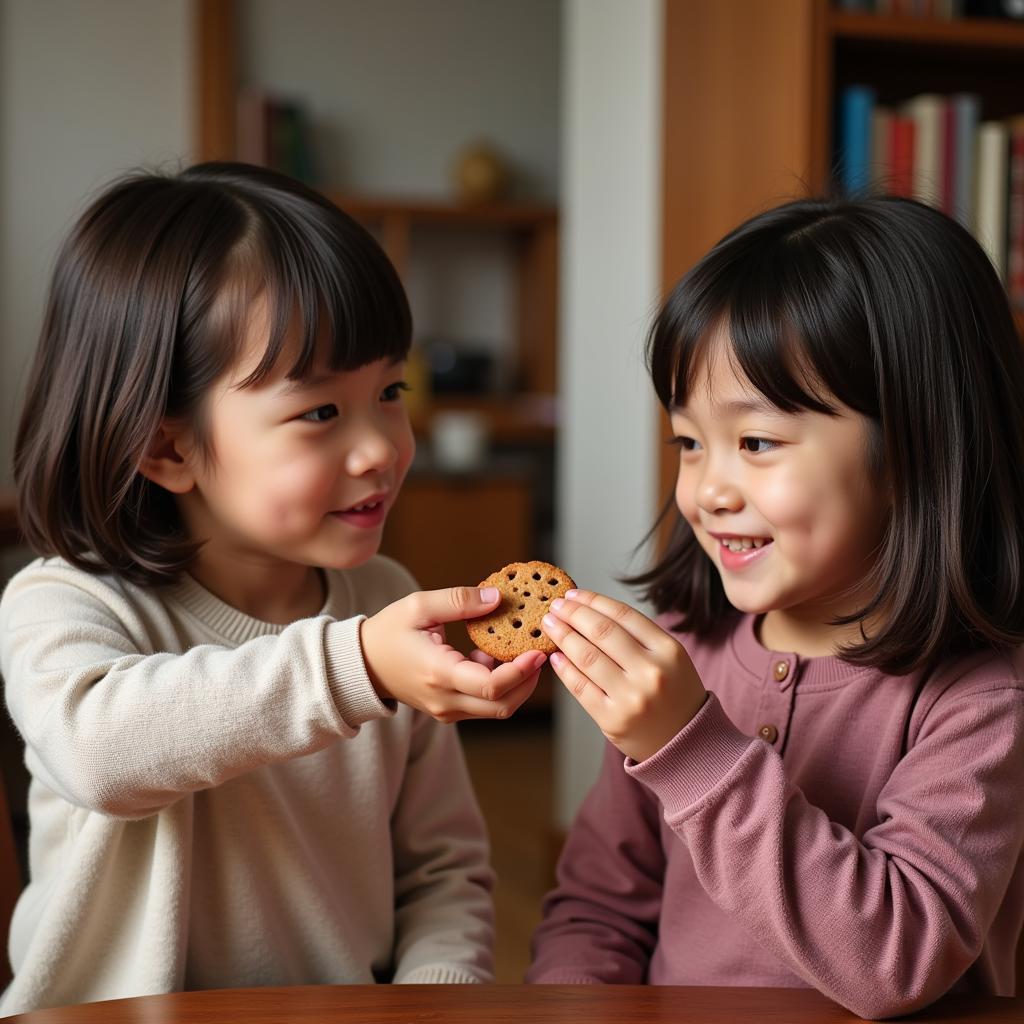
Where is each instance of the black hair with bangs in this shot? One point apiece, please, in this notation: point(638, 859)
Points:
point(894, 310)
point(147, 308)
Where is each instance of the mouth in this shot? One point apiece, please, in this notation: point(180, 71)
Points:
point(733, 543)
point(366, 514)
point(737, 551)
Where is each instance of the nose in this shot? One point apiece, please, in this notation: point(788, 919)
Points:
point(372, 450)
point(716, 492)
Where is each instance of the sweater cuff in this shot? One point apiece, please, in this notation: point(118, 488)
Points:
point(557, 977)
point(694, 761)
point(354, 696)
point(439, 974)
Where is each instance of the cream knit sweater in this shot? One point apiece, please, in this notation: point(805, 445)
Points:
point(217, 801)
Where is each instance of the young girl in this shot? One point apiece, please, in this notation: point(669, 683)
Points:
point(228, 701)
point(824, 758)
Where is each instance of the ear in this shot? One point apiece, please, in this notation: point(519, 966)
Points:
point(168, 462)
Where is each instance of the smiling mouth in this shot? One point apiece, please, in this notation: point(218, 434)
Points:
point(743, 543)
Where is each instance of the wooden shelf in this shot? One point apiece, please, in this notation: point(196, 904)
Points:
point(957, 33)
point(439, 211)
point(766, 135)
point(515, 419)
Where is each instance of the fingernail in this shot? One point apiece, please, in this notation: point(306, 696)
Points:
point(557, 603)
point(571, 594)
point(488, 594)
point(549, 620)
point(557, 659)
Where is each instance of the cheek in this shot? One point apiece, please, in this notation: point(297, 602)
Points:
point(686, 498)
point(406, 449)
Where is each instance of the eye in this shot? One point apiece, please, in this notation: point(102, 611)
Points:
point(758, 445)
point(393, 392)
point(320, 414)
point(687, 444)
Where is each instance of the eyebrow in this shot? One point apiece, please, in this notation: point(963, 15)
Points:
point(736, 408)
point(291, 387)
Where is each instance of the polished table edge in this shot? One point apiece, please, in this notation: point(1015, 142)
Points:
point(541, 1004)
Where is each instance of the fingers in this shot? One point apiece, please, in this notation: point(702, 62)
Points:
point(464, 706)
point(432, 607)
point(597, 645)
point(638, 625)
point(482, 659)
point(590, 696)
point(472, 678)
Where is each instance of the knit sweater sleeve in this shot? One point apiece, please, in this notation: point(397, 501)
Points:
point(882, 924)
point(601, 920)
point(116, 728)
point(444, 917)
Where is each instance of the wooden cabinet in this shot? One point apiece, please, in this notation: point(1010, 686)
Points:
point(750, 90)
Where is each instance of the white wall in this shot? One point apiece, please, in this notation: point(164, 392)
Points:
point(610, 259)
point(395, 88)
point(88, 88)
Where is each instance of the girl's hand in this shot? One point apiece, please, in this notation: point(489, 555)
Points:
point(408, 659)
point(635, 681)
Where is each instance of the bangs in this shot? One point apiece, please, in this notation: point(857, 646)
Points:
point(334, 301)
point(794, 328)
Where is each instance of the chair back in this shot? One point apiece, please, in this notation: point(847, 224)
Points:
point(10, 882)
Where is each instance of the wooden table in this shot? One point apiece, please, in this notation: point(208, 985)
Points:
point(509, 1004)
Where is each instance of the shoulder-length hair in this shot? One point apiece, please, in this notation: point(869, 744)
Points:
point(894, 310)
point(146, 309)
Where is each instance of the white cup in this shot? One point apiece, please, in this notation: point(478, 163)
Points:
point(459, 440)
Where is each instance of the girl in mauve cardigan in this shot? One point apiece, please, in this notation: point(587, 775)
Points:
point(815, 754)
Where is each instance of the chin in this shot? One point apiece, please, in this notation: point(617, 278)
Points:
point(348, 559)
point(751, 605)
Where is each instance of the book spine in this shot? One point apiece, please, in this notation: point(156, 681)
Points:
point(926, 113)
point(966, 114)
point(881, 148)
point(856, 103)
point(902, 148)
point(1015, 230)
point(990, 193)
point(947, 148)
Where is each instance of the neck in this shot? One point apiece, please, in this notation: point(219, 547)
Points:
point(808, 634)
point(266, 589)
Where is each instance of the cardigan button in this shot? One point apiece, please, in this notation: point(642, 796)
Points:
point(768, 733)
point(781, 670)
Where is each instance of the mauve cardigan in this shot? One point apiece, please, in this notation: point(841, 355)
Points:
point(816, 824)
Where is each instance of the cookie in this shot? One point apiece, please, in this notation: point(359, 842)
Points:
point(527, 590)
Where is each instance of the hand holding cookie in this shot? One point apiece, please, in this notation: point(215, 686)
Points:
point(527, 590)
point(408, 659)
point(635, 681)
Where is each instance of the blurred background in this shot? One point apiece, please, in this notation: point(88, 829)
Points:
point(540, 172)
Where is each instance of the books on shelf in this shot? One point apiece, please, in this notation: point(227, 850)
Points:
point(273, 132)
point(936, 149)
point(991, 198)
point(941, 9)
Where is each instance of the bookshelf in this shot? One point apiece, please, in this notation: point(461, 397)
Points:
point(526, 415)
point(752, 87)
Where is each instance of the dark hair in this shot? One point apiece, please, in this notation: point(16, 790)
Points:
point(895, 310)
point(146, 309)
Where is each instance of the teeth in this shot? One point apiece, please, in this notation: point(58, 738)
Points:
point(743, 543)
point(363, 508)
